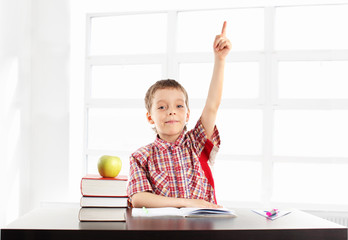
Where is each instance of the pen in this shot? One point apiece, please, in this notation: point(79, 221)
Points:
point(145, 210)
point(272, 212)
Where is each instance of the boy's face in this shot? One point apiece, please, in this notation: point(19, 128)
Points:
point(168, 113)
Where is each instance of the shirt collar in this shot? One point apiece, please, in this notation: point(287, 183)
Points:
point(164, 145)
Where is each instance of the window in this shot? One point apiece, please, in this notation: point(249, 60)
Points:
point(128, 34)
point(285, 103)
point(309, 29)
point(106, 80)
point(247, 36)
point(313, 79)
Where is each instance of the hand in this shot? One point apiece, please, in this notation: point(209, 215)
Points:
point(200, 203)
point(222, 45)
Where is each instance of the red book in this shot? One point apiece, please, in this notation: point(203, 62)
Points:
point(93, 185)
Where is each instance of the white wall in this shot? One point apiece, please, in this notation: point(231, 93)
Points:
point(34, 77)
point(15, 76)
point(49, 100)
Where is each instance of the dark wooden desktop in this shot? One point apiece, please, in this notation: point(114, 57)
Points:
point(63, 223)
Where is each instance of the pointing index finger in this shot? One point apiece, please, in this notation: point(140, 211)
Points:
point(223, 32)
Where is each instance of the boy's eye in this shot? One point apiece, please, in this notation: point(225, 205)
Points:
point(180, 106)
point(161, 107)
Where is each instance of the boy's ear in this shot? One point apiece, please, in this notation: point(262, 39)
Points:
point(188, 115)
point(149, 118)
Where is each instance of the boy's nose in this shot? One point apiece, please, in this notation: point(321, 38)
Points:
point(171, 111)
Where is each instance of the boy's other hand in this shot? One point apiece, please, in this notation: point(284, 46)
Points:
point(200, 203)
point(222, 44)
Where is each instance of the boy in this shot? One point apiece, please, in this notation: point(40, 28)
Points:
point(173, 171)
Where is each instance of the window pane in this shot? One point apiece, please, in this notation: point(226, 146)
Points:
point(119, 81)
point(311, 183)
point(320, 79)
point(314, 27)
point(129, 34)
point(240, 131)
point(237, 180)
point(197, 30)
point(195, 114)
point(118, 129)
point(92, 163)
point(311, 133)
point(241, 79)
point(195, 78)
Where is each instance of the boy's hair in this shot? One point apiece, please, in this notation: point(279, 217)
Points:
point(164, 84)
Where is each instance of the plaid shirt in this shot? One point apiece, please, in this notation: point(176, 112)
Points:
point(173, 169)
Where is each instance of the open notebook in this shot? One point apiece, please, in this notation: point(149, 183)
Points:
point(182, 212)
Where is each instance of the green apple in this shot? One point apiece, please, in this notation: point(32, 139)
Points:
point(109, 166)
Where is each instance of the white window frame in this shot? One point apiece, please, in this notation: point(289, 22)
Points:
point(267, 101)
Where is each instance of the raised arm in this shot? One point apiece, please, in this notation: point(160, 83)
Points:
point(222, 46)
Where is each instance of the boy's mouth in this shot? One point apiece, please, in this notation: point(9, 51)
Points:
point(171, 121)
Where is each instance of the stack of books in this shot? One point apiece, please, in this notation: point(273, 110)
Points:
point(103, 199)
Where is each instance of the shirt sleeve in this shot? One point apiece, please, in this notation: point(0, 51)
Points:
point(199, 137)
point(138, 181)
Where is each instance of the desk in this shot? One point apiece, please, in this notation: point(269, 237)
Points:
point(62, 223)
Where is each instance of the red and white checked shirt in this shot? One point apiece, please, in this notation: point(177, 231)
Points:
point(174, 169)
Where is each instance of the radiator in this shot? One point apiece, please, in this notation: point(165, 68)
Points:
point(339, 220)
point(336, 217)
